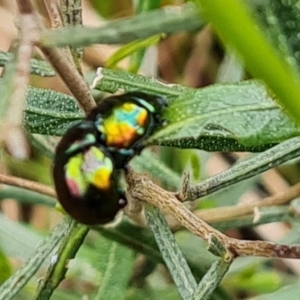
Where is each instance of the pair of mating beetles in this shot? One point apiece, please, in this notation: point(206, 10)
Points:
point(90, 154)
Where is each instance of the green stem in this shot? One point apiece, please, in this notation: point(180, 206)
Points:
point(58, 269)
point(261, 59)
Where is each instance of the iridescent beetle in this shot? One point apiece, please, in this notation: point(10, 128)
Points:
point(125, 121)
point(91, 151)
point(85, 178)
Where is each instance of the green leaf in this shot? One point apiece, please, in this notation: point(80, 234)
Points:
point(136, 58)
point(211, 280)
point(167, 293)
point(282, 20)
point(7, 86)
point(69, 245)
point(142, 241)
point(148, 292)
point(49, 112)
point(255, 278)
point(136, 238)
point(113, 80)
point(150, 163)
point(249, 167)
point(15, 236)
point(115, 265)
point(228, 117)
point(5, 267)
point(146, 5)
point(131, 48)
point(188, 242)
point(243, 34)
point(243, 112)
point(172, 255)
point(37, 67)
point(261, 282)
point(168, 20)
point(14, 284)
point(290, 292)
point(267, 215)
point(26, 196)
point(247, 102)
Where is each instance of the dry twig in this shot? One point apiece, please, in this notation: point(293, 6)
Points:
point(28, 184)
point(141, 188)
point(11, 130)
point(221, 214)
point(63, 62)
point(71, 77)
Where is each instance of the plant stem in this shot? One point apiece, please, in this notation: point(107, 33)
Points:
point(141, 188)
point(57, 270)
point(28, 184)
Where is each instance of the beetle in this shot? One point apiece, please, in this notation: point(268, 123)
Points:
point(124, 122)
point(85, 177)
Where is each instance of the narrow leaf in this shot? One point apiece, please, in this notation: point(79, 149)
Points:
point(243, 33)
point(13, 285)
point(228, 117)
point(37, 67)
point(49, 112)
point(131, 48)
point(115, 266)
point(170, 252)
point(168, 20)
point(282, 19)
point(242, 112)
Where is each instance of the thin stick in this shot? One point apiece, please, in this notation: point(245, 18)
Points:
point(72, 16)
point(11, 129)
point(64, 65)
point(27, 184)
point(29, 31)
point(57, 22)
point(54, 14)
point(226, 213)
point(71, 77)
